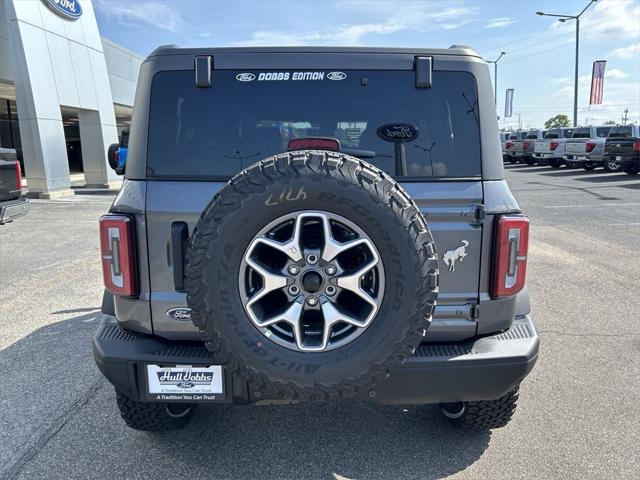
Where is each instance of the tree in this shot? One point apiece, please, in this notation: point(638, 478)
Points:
point(559, 120)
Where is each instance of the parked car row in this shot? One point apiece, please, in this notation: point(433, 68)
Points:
point(614, 148)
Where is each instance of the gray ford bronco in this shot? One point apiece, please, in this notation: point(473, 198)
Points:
point(314, 224)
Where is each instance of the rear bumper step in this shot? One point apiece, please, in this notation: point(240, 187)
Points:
point(13, 209)
point(478, 369)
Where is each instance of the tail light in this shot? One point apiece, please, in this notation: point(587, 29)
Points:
point(118, 261)
point(553, 145)
point(314, 143)
point(636, 147)
point(507, 145)
point(18, 176)
point(526, 145)
point(589, 147)
point(511, 250)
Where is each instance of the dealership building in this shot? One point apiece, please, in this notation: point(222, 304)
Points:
point(65, 92)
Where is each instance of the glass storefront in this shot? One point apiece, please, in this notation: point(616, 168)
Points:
point(9, 128)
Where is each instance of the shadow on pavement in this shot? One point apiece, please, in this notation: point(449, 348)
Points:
point(609, 177)
point(60, 420)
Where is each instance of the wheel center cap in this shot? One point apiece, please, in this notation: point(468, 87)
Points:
point(311, 282)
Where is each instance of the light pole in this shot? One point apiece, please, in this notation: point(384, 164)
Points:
point(564, 18)
point(495, 76)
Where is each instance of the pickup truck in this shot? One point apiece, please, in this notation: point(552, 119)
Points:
point(550, 149)
point(12, 205)
point(622, 147)
point(586, 148)
point(504, 138)
point(523, 149)
point(514, 139)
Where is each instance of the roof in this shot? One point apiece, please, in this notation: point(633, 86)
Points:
point(460, 50)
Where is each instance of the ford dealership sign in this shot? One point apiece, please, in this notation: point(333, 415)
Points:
point(69, 9)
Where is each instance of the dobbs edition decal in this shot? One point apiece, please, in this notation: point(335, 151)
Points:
point(69, 9)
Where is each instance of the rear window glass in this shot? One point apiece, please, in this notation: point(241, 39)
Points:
point(620, 132)
point(552, 134)
point(568, 133)
point(532, 135)
point(582, 133)
point(603, 131)
point(249, 115)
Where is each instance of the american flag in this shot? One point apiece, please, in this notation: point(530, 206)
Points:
point(597, 82)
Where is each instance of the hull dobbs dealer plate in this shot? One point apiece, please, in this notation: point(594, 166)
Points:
point(185, 382)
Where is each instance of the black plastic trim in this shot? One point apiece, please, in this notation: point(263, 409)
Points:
point(479, 369)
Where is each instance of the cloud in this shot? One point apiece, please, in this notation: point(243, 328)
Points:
point(415, 17)
point(615, 73)
point(158, 15)
point(500, 22)
point(632, 51)
point(607, 19)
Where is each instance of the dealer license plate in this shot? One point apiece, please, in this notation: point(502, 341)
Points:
point(618, 159)
point(184, 382)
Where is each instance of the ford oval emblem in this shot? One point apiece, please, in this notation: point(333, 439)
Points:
point(336, 75)
point(186, 385)
point(245, 77)
point(398, 132)
point(69, 9)
point(180, 313)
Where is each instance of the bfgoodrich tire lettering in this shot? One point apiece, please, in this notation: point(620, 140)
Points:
point(320, 181)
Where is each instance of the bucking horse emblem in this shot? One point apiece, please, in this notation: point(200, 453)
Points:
point(450, 256)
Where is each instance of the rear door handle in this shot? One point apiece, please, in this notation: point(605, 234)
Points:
point(179, 240)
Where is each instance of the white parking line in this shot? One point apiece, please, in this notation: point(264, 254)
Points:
point(594, 205)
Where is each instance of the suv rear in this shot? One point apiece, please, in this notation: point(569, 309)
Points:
point(550, 150)
point(523, 150)
point(288, 231)
point(623, 148)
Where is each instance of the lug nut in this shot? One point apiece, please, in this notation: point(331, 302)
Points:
point(312, 259)
point(330, 290)
point(331, 270)
point(294, 269)
point(294, 290)
point(312, 301)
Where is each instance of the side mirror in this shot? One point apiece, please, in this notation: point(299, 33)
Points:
point(113, 156)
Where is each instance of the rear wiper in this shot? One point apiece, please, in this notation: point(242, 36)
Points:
point(365, 153)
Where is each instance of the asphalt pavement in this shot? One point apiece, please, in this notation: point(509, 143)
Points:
point(578, 415)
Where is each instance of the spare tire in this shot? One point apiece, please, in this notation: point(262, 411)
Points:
point(312, 275)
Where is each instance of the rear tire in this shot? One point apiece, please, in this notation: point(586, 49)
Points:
point(589, 166)
point(631, 169)
point(611, 166)
point(153, 417)
point(529, 160)
point(484, 414)
point(555, 163)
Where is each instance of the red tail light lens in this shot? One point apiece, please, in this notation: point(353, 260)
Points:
point(507, 145)
point(18, 176)
point(118, 262)
point(526, 145)
point(636, 147)
point(511, 250)
point(589, 147)
point(553, 145)
point(314, 144)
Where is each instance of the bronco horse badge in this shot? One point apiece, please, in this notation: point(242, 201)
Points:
point(450, 256)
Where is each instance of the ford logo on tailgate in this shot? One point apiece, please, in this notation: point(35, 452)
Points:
point(398, 132)
point(180, 313)
point(69, 9)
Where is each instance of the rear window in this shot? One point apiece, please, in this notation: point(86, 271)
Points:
point(552, 134)
point(582, 133)
point(249, 115)
point(620, 132)
point(532, 135)
point(568, 133)
point(603, 131)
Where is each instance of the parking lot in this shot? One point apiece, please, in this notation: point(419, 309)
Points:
point(578, 417)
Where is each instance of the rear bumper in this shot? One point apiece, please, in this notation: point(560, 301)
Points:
point(13, 209)
point(479, 369)
point(624, 159)
point(579, 158)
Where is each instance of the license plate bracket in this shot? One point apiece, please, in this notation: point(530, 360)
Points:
point(183, 383)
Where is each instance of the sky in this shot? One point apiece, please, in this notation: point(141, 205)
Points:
point(538, 64)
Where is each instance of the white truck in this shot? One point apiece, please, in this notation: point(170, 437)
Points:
point(550, 150)
point(585, 149)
